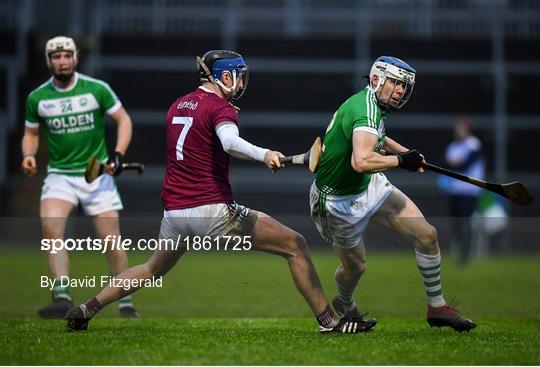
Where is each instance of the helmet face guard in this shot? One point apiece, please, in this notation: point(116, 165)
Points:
point(407, 92)
point(214, 63)
point(398, 72)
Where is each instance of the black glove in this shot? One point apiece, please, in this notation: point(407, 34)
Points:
point(116, 161)
point(410, 160)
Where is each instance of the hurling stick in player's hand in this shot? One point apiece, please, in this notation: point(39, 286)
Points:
point(515, 191)
point(94, 169)
point(311, 158)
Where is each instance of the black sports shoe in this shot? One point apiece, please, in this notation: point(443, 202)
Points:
point(56, 310)
point(77, 319)
point(339, 307)
point(350, 325)
point(129, 312)
point(448, 315)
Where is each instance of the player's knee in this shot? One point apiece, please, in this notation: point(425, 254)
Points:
point(428, 240)
point(157, 267)
point(52, 229)
point(300, 242)
point(297, 245)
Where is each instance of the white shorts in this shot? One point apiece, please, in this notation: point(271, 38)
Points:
point(341, 220)
point(95, 198)
point(211, 220)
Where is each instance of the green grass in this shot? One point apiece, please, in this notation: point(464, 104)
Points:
point(218, 308)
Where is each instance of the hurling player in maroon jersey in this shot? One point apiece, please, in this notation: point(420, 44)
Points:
point(202, 132)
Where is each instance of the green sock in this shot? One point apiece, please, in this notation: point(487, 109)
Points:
point(60, 292)
point(345, 296)
point(125, 302)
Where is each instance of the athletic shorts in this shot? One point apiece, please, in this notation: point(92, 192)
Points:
point(213, 220)
point(95, 198)
point(341, 220)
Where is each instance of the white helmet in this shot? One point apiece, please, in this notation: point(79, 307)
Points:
point(60, 43)
point(392, 67)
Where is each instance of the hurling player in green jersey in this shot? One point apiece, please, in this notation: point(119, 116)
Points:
point(70, 108)
point(350, 189)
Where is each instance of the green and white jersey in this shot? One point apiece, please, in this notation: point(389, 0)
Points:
point(335, 175)
point(74, 121)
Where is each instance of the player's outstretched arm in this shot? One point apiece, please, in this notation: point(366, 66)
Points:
point(29, 147)
point(237, 147)
point(365, 159)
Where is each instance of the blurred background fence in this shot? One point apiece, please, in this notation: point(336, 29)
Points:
point(479, 59)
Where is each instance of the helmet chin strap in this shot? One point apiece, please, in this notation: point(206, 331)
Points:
point(224, 88)
point(379, 82)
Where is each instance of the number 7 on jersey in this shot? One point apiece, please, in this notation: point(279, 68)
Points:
point(182, 120)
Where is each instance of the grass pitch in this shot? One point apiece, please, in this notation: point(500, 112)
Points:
point(229, 308)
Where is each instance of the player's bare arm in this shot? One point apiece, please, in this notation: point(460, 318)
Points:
point(124, 129)
point(29, 145)
point(391, 145)
point(365, 159)
point(123, 138)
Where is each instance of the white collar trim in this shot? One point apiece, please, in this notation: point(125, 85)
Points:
point(207, 90)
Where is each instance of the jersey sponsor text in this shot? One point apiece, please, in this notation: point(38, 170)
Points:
point(71, 124)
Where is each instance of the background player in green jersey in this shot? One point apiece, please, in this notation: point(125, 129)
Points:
point(70, 107)
point(349, 190)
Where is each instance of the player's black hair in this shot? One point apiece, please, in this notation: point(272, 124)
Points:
point(365, 79)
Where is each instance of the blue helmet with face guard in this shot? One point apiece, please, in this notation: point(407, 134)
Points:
point(388, 67)
point(216, 62)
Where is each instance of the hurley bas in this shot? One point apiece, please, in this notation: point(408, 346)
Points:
point(92, 282)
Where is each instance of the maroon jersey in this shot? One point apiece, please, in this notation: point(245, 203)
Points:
point(197, 166)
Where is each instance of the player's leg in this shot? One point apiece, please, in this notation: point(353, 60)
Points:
point(101, 200)
point(341, 220)
point(158, 265)
point(401, 214)
point(347, 275)
point(57, 202)
point(107, 224)
point(54, 214)
point(271, 236)
point(162, 260)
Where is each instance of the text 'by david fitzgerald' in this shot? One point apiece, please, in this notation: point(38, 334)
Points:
point(100, 281)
